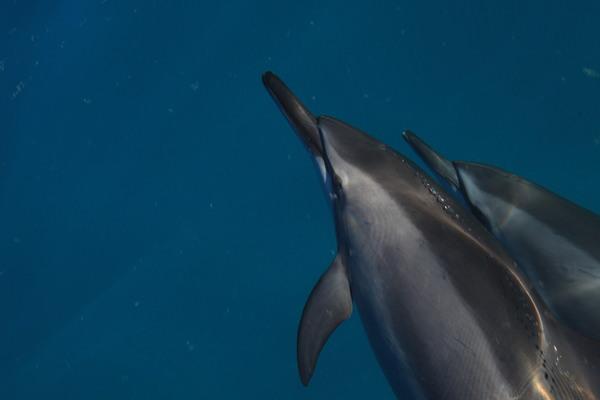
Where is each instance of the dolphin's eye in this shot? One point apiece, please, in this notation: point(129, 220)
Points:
point(337, 186)
point(337, 183)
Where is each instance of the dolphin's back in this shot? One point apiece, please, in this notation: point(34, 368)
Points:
point(556, 242)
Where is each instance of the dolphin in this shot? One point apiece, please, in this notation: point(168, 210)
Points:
point(446, 311)
point(554, 240)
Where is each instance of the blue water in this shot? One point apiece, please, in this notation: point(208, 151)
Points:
point(162, 226)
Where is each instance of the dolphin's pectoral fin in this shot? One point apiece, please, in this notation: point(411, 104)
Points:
point(435, 161)
point(328, 305)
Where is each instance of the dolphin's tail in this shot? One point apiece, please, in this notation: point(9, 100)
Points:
point(435, 161)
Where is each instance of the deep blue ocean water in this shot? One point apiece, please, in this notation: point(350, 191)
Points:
point(162, 226)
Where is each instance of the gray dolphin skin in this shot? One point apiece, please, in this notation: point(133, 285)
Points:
point(446, 311)
point(555, 241)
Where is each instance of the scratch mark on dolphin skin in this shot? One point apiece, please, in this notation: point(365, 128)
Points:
point(589, 273)
point(465, 346)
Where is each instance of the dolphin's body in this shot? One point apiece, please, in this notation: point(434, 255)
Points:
point(556, 242)
point(445, 310)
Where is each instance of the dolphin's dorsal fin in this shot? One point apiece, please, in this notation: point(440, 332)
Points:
point(328, 305)
point(434, 160)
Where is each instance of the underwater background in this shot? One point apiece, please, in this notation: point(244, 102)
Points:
point(160, 224)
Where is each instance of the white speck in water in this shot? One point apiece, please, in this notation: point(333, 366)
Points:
point(190, 346)
point(170, 110)
point(311, 22)
point(211, 205)
point(18, 89)
point(136, 304)
point(591, 73)
point(195, 86)
point(313, 98)
point(87, 100)
point(2, 64)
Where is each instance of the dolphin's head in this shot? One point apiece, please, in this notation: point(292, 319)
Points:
point(334, 145)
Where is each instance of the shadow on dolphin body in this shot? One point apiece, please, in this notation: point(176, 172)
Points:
point(554, 240)
point(446, 311)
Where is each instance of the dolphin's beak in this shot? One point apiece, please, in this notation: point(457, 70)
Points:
point(303, 122)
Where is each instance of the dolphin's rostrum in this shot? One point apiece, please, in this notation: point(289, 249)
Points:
point(445, 310)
